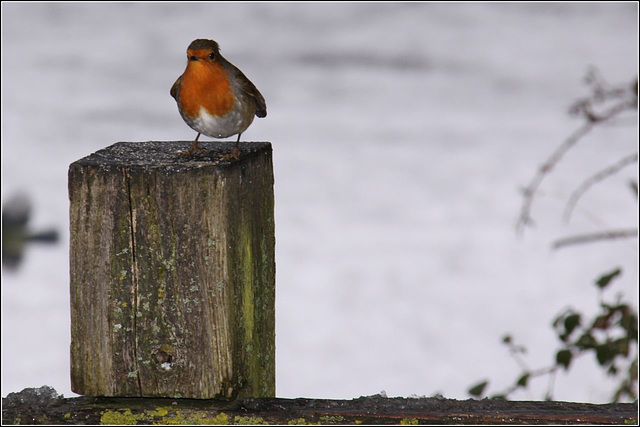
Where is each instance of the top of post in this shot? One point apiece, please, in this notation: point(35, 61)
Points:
point(170, 155)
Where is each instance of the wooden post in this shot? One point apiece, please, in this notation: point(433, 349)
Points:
point(173, 272)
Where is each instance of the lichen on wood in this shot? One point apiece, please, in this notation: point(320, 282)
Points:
point(44, 406)
point(173, 272)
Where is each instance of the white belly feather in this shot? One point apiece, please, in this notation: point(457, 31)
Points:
point(220, 127)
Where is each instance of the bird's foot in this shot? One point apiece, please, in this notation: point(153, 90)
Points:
point(195, 148)
point(235, 155)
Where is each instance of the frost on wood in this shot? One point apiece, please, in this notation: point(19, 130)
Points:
point(172, 272)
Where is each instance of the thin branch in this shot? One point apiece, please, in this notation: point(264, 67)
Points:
point(594, 179)
point(586, 107)
point(552, 381)
point(594, 237)
point(602, 92)
point(529, 192)
point(550, 370)
point(515, 352)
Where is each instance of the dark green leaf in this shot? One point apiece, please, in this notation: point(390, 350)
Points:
point(629, 322)
point(563, 358)
point(506, 339)
point(605, 353)
point(604, 281)
point(571, 322)
point(586, 341)
point(633, 370)
point(621, 347)
point(522, 381)
point(478, 389)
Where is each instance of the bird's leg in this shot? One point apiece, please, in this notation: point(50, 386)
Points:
point(235, 153)
point(194, 147)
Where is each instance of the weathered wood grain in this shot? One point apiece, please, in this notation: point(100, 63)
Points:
point(173, 272)
point(44, 406)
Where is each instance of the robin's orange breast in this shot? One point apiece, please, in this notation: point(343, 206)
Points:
point(205, 85)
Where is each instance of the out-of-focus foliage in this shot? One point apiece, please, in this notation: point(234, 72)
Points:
point(610, 336)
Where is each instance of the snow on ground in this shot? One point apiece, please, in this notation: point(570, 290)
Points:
point(401, 135)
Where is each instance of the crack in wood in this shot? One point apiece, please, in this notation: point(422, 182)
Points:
point(134, 277)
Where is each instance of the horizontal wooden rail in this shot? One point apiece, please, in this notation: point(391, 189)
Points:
point(44, 406)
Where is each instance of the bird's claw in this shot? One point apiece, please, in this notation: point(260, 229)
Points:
point(235, 155)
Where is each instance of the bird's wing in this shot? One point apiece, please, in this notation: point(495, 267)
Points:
point(175, 88)
point(251, 90)
point(261, 105)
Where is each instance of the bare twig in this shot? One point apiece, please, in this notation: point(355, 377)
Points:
point(625, 97)
point(594, 179)
point(603, 92)
point(593, 237)
point(549, 370)
point(529, 192)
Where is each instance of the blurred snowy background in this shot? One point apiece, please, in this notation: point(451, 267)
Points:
point(402, 134)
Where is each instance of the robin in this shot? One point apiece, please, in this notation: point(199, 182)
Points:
point(214, 97)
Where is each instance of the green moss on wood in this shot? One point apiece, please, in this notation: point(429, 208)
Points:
point(189, 251)
point(125, 417)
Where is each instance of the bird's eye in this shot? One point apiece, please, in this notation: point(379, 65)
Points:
point(212, 55)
